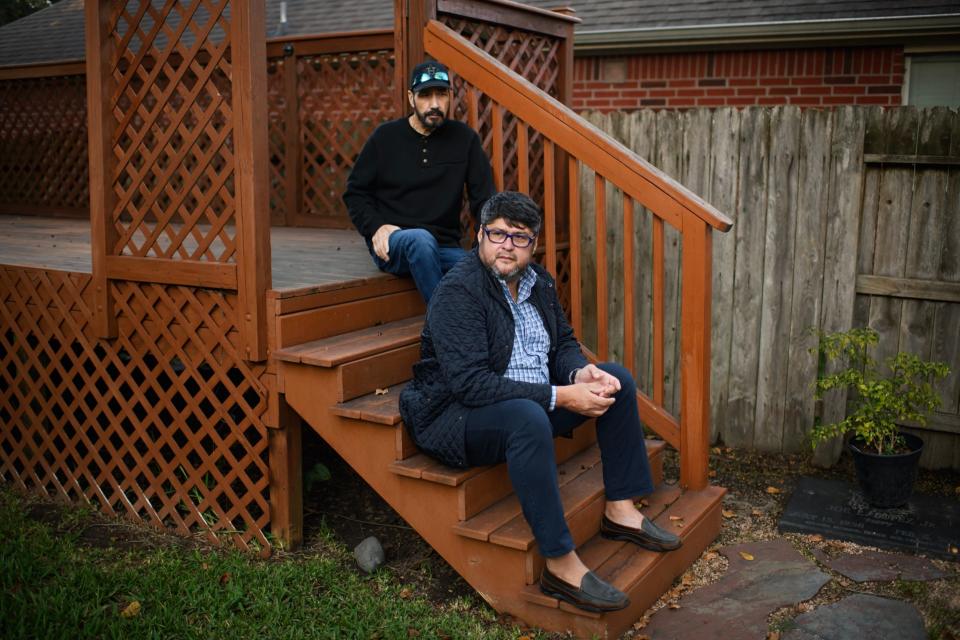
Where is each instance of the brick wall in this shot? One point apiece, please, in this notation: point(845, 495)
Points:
point(807, 77)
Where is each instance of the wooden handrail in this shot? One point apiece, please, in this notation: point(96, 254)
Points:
point(614, 165)
point(660, 193)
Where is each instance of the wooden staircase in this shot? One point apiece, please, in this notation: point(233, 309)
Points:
point(471, 517)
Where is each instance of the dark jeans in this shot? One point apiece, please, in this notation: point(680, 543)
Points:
point(521, 433)
point(415, 252)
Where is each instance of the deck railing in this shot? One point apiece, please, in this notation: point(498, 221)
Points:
point(568, 139)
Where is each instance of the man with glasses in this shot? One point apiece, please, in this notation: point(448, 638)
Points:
point(501, 374)
point(405, 191)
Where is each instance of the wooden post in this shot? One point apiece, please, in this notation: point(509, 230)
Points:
point(695, 353)
point(286, 478)
point(409, 19)
point(103, 235)
point(293, 159)
point(249, 45)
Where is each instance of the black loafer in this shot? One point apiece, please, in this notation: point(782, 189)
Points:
point(593, 595)
point(648, 536)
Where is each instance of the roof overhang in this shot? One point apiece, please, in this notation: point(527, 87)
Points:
point(807, 32)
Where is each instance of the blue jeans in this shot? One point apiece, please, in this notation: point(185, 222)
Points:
point(521, 433)
point(415, 252)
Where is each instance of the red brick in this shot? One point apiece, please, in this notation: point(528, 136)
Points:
point(712, 82)
point(635, 93)
point(806, 80)
point(606, 94)
point(837, 99)
point(771, 100)
point(751, 91)
point(873, 79)
point(742, 82)
point(774, 81)
point(721, 92)
point(597, 103)
point(625, 102)
point(653, 83)
point(889, 89)
point(839, 80)
point(783, 91)
point(597, 85)
point(896, 100)
point(815, 91)
point(804, 100)
point(653, 102)
point(690, 92)
point(741, 102)
point(710, 102)
point(578, 93)
point(855, 90)
point(681, 102)
point(676, 83)
point(663, 93)
point(872, 100)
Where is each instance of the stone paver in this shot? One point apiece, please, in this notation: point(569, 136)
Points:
point(859, 616)
point(874, 566)
point(736, 607)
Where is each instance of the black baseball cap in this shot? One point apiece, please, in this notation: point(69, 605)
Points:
point(429, 74)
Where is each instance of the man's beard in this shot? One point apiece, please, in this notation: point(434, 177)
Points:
point(514, 274)
point(422, 117)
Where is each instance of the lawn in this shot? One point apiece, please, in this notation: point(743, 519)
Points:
point(66, 572)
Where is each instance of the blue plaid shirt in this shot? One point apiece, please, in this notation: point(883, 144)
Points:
point(529, 361)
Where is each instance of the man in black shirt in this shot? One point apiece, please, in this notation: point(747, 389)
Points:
point(405, 191)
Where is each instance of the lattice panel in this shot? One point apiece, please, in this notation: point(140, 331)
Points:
point(534, 56)
point(343, 97)
point(43, 144)
point(173, 140)
point(276, 134)
point(164, 424)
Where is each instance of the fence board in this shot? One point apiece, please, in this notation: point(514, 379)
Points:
point(875, 141)
point(643, 135)
point(840, 256)
point(893, 224)
point(781, 208)
point(669, 142)
point(724, 154)
point(748, 279)
point(799, 406)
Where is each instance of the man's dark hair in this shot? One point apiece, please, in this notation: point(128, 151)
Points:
point(516, 208)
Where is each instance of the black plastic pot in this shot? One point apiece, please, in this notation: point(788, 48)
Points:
point(887, 480)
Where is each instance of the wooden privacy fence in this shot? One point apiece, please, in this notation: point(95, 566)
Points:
point(567, 142)
point(845, 217)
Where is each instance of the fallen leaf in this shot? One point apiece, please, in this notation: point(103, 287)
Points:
point(675, 518)
point(405, 593)
point(204, 566)
point(716, 450)
point(412, 633)
point(679, 524)
point(746, 556)
point(686, 580)
point(756, 512)
point(816, 537)
point(773, 635)
point(673, 605)
point(954, 550)
point(712, 473)
point(523, 637)
point(726, 513)
point(773, 490)
point(224, 579)
point(381, 392)
point(131, 610)
point(710, 555)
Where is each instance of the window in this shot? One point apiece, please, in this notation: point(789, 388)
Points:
point(933, 80)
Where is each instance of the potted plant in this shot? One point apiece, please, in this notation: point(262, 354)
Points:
point(884, 398)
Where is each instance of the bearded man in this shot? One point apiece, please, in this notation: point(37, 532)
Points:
point(405, 192)
point(501, 374)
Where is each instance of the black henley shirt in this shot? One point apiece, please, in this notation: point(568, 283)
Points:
point(414, 181)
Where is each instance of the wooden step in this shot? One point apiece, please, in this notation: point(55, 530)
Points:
point(374, 407)
point(348, 347)
point(643, 575)
point(582, 496)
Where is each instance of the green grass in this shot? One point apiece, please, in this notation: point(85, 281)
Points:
point(53, 587)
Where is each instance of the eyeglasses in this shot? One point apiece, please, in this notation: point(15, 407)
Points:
point(497, 236)
point(433, 74)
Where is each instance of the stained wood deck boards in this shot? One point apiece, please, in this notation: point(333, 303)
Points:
point(300, 257)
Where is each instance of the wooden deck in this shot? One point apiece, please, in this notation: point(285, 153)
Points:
point(301, 258)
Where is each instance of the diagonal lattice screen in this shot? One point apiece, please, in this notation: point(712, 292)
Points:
point(43, 143)
point(171, 75)
point(163, 424)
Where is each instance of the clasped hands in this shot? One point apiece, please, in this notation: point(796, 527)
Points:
point(591, 393)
